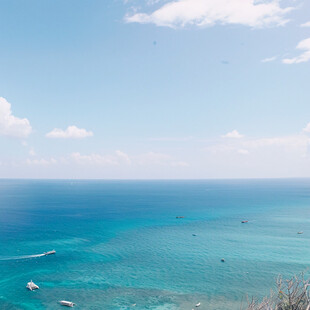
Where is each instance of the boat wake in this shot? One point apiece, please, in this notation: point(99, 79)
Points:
point(21, 257)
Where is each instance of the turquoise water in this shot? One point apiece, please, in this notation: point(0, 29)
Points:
point(119, 243)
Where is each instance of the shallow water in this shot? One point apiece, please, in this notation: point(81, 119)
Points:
point(119, 243)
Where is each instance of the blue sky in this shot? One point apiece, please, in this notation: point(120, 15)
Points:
point(154, 89)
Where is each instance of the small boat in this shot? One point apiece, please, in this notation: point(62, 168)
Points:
point(67, 303)
point(31, 286)
point(197, 305)
point(300, 232)
point(244, 222)
point(194, 235)
point(179, 217)
point(49, 252)
point(222, 260)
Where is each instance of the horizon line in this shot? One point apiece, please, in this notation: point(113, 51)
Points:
point(154, 179)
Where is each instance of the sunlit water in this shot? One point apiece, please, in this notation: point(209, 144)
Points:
point(119, 243)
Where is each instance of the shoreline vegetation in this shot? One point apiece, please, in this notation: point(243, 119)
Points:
point(292, 294)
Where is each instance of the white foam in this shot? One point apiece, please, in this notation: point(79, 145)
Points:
point(20, 257)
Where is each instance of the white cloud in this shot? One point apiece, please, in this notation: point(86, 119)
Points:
point(243, 151)
point(181, 13)
point(72, 132)
point(102, 160)
point(123, 157)
point(303, 45)
point(11, 125)
point(41, 162)
point(233, 134)
point(94, 159)
point(290, 144)
point(220, 148)
point(270, 59)
point(154, 158)
point(279, 156)
point(179, 164)
point(32, 152)
point(307, 128)
point(160, 159)
point(120, 158)
point(307, 24)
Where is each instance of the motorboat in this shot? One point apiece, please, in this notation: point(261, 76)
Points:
point(180, 217)
point(300, 232)
point(198, 305)
point(67, 303)
point(49, 252)
point(222, 260)
point(194, 235)
point(244, 222)
point(32, 286)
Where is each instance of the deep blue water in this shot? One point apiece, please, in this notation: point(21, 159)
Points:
point(119, 243)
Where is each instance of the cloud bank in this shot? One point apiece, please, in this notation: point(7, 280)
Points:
point(72, 132)
point(94, 159)
point(11, 125)
point(121, 158)
point(252, 13)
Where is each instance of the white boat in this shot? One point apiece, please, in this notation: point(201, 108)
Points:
point(67, 303)
point(197, 305)
point(300, 232)
point(31, 286)
point(50, 252)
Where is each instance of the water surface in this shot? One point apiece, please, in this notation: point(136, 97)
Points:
point(119, 243)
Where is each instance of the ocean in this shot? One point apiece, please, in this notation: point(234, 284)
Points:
point(119, 244)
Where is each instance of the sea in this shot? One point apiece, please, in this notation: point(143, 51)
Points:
point(146, 244)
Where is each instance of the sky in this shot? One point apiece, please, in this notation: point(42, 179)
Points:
point(154, 89)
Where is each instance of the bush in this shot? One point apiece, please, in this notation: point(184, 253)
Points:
point(291, 294)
